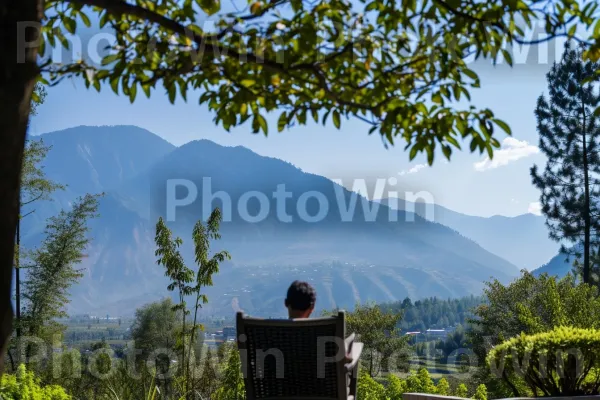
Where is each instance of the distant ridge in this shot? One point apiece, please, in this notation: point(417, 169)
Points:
point(378, 260)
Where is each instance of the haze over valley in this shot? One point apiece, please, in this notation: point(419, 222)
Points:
point(380, 259)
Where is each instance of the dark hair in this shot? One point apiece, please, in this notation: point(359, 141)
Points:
point(300, 296)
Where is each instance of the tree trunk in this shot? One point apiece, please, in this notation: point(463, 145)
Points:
point(18, 74)
point(18, 277)
point(586, 217)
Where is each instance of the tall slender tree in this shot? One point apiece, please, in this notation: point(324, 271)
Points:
point(569, 137)
point(54, 266)
point(207, 265)
point(35, 186)
point(187, 282)
point(181, 276)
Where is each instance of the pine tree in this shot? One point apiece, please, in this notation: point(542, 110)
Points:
point(569, 137)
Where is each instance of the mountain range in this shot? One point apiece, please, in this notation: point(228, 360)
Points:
point(350, 248)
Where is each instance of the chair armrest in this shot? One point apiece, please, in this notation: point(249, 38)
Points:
point(355, 353)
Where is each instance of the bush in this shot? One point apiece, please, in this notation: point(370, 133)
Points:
point(443, 387)
point(560, 362)
point(369, 389)
point(25, 386)
point(480, 393)
point(461, 391)
point(395, 387)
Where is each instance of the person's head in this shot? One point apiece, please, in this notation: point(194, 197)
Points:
point(300, 300)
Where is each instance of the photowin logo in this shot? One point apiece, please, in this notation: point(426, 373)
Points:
point(287, 205)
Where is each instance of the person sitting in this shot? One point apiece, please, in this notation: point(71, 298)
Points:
point(300, 303)
point(300, 300)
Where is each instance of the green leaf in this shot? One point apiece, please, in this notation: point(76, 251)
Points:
point(336, 119)
point(597, 29)
point(413, 152)
point(85, 19)
point(471, 74)
point(447, 150)
point(146, 88)
point(262, 122)
point(132, 92)
point(490, 151)
point(503, 125)
point(114, 83)
point(109, 59)
point(70, 24)
point(172, 92)
point(282, 122)
point(572, 30)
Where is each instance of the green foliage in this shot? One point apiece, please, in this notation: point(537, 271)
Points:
point(35, 186)
point(443, 387)
point(402, 69)
point(570, 139)
point(434, 313)
point(188, 282)
point(394, 388)
point(25, 386)
point(533, 305)
point(208, 382)
point(53, 266)
point(378, 331)
point(207, 265)
point(454, 341)
point(34, 183)
point(461, 391)
point(554, 363)
point(528, 305)
point(232, 382)
point(38, 97)
point(156, 326)
point(420, 382)
point(369, 389)
point(480, 393)
point(425, 382)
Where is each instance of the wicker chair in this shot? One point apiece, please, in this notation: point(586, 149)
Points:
point(297, 359)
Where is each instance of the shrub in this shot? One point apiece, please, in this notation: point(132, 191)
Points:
point(25, 386)
point(369, 389)
point(480, 393)
point(559, 362)
point(461, 391)
point(395, 387)
point(443, 387)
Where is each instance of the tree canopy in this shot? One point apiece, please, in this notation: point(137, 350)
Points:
point(399, 66)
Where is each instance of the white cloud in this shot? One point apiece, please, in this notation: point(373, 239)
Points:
point(413, 170)
point(535, 208)
point(511, 150)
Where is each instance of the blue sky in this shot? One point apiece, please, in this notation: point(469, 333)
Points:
point(469, 183)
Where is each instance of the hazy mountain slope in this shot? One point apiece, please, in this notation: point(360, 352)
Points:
point(101, 158)
point(360, 258)
point(92, 160)
point(521, 240)
point(558, 265)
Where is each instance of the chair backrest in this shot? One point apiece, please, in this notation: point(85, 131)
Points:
point(293, 359)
